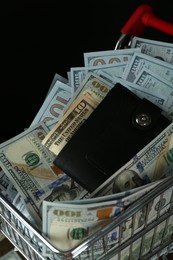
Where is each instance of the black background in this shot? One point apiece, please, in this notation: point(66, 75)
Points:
point(41, 39)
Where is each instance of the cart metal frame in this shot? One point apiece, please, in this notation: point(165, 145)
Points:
point(30, 242)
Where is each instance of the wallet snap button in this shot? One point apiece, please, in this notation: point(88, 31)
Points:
point(143, 119)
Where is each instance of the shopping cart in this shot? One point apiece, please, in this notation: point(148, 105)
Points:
point(153, 237)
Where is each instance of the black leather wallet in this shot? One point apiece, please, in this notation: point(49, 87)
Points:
point(119, 127)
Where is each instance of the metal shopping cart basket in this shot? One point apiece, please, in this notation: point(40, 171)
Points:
point(155, 236)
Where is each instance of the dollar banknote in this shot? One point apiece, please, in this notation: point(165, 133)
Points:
point(78, 74)
point(125, 253)
point(96, 85)
point(79, 205)
point(59, 78)
point(166, 201)
point(136, 249)
point(54, 104)
point(61, 133)
point(159, 206)
point(152, 163)
point(94, 91)
point(147, 242)
point(158, 234)
point(8, 190)
point(29, 167)
point(99, 248)
point(156, 85)
point(123, 199)
point(69, 190)
point(139, 219)
point(67, 225)
point(153, 209)
point(141, 60)
point(168, 229)
point(159, 98)
point(158, 49)
point(108, 57)
point(6, 187)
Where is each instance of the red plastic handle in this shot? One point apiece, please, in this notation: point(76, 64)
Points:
point(142, 18)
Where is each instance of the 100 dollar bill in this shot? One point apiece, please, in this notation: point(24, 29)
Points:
point(158, 86)
point(158, 49)
point(94, 90)
point(29, 167)
point(98, 86)
point(54, 104)
point(108, 57)
point(78, 74)
point(62, 132)
point(141, 60)
point(67, 225)
point(159, 98)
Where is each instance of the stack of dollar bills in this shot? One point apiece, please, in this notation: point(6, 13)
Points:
point(47, 196)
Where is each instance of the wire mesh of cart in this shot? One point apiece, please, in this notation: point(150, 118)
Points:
point(152, 240)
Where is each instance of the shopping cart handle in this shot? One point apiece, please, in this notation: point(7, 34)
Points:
point(142, 18)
